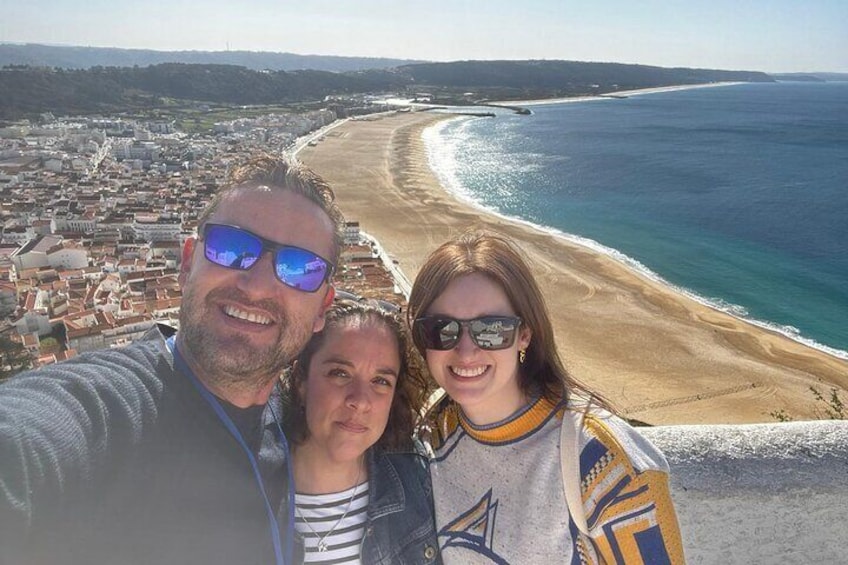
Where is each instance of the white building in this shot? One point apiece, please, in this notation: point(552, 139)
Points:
point(33, 254)
point(137, 150)
point(18, 234)
point(351, 233)
point(157, 229)
point(36, 315)
point(67, 255)
point(74, 223)
point(50, 251)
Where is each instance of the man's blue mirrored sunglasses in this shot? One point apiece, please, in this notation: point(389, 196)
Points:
point(236, 248)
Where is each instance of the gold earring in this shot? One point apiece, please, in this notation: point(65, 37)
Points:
point(522, 355)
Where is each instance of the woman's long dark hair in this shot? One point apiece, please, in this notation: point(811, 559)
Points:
point(410, 391)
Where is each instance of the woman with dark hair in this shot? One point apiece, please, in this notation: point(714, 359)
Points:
point(350, 402)
point(529, 466)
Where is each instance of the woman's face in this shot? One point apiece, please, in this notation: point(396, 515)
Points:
point(349, 389)
point(483, 382)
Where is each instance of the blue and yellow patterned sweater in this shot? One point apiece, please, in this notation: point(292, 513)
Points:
point(499, 496)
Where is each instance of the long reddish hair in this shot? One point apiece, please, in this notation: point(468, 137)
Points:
point(499, 259)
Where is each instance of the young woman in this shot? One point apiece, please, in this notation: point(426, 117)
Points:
point(499, 474)
point(362, 493)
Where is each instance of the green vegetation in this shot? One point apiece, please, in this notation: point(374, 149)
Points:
point(828, 407)
point(49, 343)
point(201, 118)
point(29, 91)
point(13, 358)
point(521, 79)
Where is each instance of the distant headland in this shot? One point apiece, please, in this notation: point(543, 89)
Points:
point(88, 80)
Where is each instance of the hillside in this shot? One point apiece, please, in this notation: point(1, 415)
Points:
point(520, 79)
point(29, 91)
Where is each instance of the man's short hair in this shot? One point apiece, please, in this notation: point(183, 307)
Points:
point(281, 174)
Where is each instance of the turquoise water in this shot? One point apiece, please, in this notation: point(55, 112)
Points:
point(737, 194)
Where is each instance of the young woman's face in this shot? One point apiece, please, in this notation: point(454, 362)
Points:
point(349, 389)
point(483, 382)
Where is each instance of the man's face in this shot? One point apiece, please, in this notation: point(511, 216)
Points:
point(246, 326)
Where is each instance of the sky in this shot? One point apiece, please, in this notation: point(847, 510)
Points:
point(758, 35)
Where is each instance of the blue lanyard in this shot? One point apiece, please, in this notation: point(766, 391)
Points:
point(182, 366)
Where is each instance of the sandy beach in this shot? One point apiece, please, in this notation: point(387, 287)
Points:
point(609, 95)
point(660, 356)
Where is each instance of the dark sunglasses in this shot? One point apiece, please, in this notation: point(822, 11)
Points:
point(442, 333)
point(236, 248)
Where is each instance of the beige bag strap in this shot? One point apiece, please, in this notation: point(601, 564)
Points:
point(569, 448)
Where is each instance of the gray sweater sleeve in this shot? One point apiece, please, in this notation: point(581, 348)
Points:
point(64, 426)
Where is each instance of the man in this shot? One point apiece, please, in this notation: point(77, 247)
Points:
point(167, 450)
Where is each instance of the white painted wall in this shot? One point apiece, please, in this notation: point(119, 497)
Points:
point(760, 494)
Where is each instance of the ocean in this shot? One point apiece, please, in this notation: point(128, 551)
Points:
point(736, 195)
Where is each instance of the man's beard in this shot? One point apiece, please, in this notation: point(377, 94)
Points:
point(228, 360)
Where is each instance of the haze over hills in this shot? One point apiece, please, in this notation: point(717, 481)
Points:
point(812, 77)
point(78, 57)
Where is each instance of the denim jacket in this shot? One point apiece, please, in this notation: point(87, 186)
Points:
point(400, 529)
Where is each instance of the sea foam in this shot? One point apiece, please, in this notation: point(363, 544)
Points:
point(442, 159)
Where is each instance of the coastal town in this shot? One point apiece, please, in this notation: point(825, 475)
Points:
point(588, 304)
point(95, 212)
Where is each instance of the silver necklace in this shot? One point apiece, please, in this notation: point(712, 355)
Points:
point(322, 540)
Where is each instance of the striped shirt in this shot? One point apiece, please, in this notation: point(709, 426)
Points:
point(333, 522)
